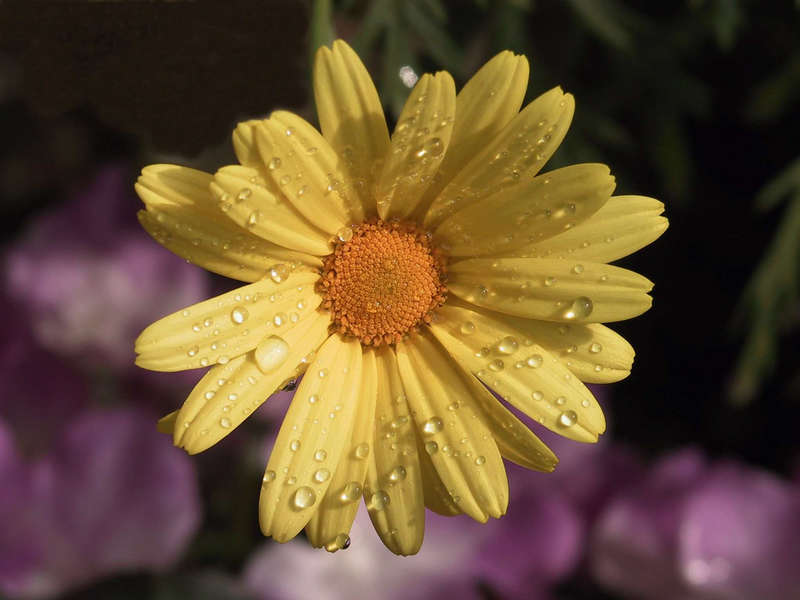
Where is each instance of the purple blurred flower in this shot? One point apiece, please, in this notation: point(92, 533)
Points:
point(701, 531)
point(113, 496)
point(92, 279)
point(296, 571)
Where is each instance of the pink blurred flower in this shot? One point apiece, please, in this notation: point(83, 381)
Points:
point(694, 530)
point(92, 280)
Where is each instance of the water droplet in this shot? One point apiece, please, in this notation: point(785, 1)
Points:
point(322, 475)
point(580, 308)
point(269, 477)
point(508, 345)
point(345, 234)
point(302, 191)
point(549, 281)
point(595, 348)
point(323, 373)
point(468, 328)
point(362, 450)
point(243, 194)
point(431, 448)
point(585, 403)
point(432, 425)
point(271, 353)
point(279, 272)
point(279, 319)
point(193, 351)
point(496, 365)
point(340, 542)
point(535, 361)
point(351, 492)
point(561, 401)
point(378, 501)
point(294, 445)
point(304, 497)
point(275, 163)
point(320, 455)
point(537, 395)
point(397, 474)
point(577, 269)
point(239, 315)
point(312, 399)
point(252, 220)
point(479, 460)
point(292, 480)
point(568, 418)
point(225, 422)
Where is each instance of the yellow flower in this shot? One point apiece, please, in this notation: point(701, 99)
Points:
point(404, 276)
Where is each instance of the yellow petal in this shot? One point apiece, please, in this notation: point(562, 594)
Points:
point(418, 145)
point(513, 156)
point(166, 424)
point(538, 209)
point(248, 202)
point(330, 525)
point(183, 216)
point(228, 393)
point(437, 498)
point(521, 371)
point(551, 289)
point(306, 169)
point(351, 117)
point(514, 439)
point(485, 105)
point(393, 490)
point(472, 471)
point(224, 327)
point(621, 227)
point(295, 480)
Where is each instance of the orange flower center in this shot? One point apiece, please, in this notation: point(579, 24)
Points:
point(382, 281)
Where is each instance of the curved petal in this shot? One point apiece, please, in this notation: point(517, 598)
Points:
point(541, 208)
point(393, 490)
point(418, 145)
point(437, 497)
point(182, 216)
point(247, 201)
point(229, 392)
point(351, 117)
point(515, 155)
point(307, 170)
point(622, 226)
point(472, 471)
point(320, 420)
point(221, 328)
point(330, 525)
point(551, 289)
point(485, 105)
point(521, 371)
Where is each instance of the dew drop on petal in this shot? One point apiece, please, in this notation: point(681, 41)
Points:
point(279, 272)
point(322, 475)
point(239, 314)
point(320, 455)
point(537, 395)
point(431, 447)
point(568, 418)
point(271, 353)
point(508, 345)
point(362, 451)
point(304, 497)
point(595, 348)
point(294, 445)
point(467, 328)
point(480, 460)
point(535, 361)
point(432, 425)
point(351, 492)
point(225, 422)
point(496, 365)
point(397, 474)
point(580, 308)
point(378, 501)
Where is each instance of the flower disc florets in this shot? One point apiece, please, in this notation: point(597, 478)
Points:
point(382, 281)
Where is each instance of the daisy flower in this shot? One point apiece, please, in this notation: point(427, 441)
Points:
point(404, 277)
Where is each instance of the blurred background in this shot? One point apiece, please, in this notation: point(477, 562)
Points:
point(693, 493)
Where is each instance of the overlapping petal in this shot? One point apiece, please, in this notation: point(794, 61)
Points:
point(230, 392)
point(394, 487)
point(471, 470)
point(330, 525)
point(541, 208)
point(182, 216)
point(622, 226)
point(418, 145)
point(320, 420)
point(520, 370)
point(551, 289)
point(221, 328)
point(245, 198)
point(351, 117)
point(512, 157)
